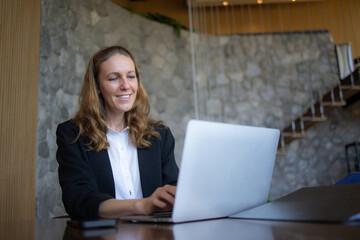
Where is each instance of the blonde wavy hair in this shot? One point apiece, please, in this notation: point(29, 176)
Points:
point(91, 116)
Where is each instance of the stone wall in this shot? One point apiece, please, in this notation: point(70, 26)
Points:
point(264, 80)
point(254, 90)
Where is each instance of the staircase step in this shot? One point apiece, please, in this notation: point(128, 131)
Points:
point(314, 118)
point(352, 87)
point(334, 103)
point(280, 152)
point(294, 134)
point(354, 77)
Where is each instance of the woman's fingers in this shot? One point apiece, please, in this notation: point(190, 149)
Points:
point(162, 198)
point(159, 204)
point(167, 194)
point(171, 189)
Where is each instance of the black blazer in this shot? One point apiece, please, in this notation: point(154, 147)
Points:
point(86, 177)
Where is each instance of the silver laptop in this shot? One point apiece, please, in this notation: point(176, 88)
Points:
point(225, 169)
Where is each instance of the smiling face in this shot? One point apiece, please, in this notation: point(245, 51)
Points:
point(118, 85)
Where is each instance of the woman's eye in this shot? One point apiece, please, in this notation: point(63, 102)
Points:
point(131, 76)
point(112, 79)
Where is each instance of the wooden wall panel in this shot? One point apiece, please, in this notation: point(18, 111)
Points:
point(340, 17)
point(19, 58)
point(346, 23)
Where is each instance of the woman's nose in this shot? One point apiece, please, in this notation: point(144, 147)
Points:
point(124, 84)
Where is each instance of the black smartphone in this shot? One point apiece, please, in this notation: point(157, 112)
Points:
point(98, 223)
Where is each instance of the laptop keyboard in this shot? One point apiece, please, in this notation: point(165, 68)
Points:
point(162, 215)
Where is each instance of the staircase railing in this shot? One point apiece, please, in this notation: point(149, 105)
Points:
point(336, 97)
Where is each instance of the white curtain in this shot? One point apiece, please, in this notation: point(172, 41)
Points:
point(344, 58)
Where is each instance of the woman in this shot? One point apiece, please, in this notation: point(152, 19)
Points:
point(113, 159)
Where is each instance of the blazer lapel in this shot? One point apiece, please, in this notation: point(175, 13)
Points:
point(150, 172)
point(103, 172)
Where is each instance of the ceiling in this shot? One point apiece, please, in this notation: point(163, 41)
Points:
point(242, 2)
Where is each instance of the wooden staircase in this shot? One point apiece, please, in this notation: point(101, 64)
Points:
point(349, 87)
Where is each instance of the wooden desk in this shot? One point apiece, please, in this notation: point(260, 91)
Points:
point(222, 229)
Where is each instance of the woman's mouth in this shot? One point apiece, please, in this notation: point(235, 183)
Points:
point(127, 96)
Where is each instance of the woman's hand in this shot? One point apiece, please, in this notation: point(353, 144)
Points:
point(161, 200)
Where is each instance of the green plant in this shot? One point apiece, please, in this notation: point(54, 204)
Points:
point(169, 21)
point(161, 19)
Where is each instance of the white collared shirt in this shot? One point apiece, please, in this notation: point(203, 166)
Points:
point(124, 164)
